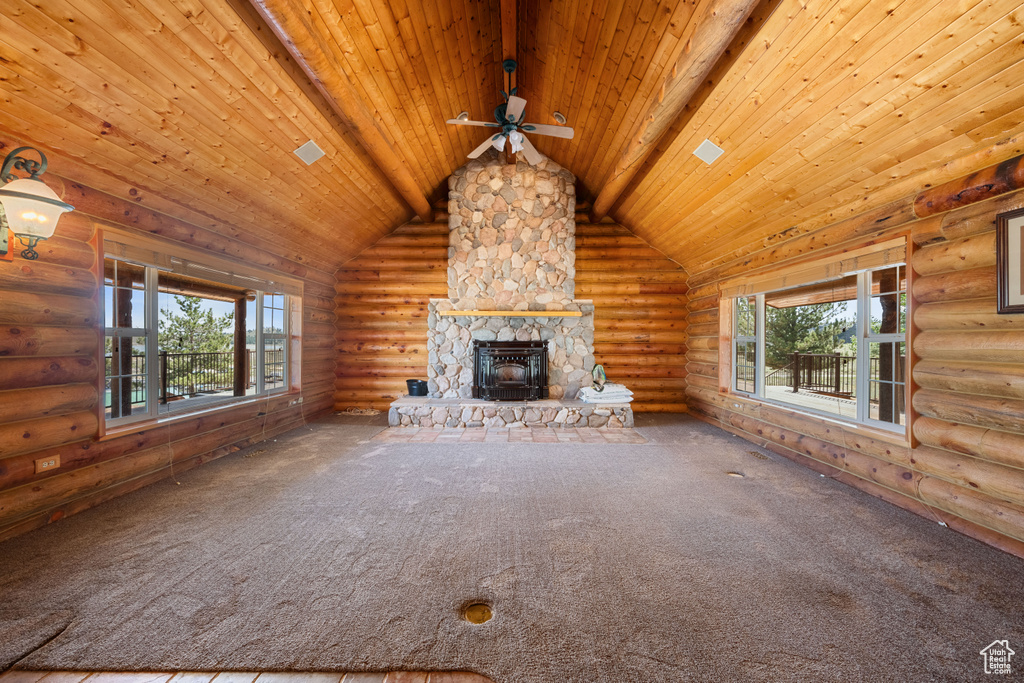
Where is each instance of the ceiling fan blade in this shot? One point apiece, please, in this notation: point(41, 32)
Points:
point(530, 152)
point(459, 122)
point(544, 129)
point(515, 107)
point(480, 150)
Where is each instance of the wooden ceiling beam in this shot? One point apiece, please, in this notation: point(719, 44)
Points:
point(751, 27)
point(508, 29)
point(315, 58)
point(508, 51)
point(712, 34)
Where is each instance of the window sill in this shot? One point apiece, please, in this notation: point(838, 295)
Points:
point(122, 430)
point(872, 431)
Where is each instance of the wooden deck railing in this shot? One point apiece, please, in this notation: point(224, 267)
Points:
point(187, 374)
point(827, 373)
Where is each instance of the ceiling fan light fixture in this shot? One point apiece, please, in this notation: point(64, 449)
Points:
point(708, 152)
point(559, 118)
point(509, 119)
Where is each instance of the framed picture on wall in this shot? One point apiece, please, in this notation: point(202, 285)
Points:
point(1010, 262)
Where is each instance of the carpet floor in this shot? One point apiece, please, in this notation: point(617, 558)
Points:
point(327, 551)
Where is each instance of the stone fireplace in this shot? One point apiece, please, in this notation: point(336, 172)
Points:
point(511, 278)
point(511, 250)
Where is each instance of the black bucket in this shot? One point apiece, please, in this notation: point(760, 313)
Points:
point(417, 387)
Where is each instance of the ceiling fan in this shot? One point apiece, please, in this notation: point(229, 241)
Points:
point(508, 117)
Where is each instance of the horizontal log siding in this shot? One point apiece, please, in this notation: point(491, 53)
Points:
point(50, 335)
point(967, 469)
point(640, 318)
point(382, 298)
point(640, 301)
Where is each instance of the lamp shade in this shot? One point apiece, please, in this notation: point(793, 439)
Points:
point(32, 208)
point(515, 139)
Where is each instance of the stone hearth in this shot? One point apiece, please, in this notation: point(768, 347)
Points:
point(434, 412)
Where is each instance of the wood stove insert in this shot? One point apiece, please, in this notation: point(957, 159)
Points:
point(510, 370)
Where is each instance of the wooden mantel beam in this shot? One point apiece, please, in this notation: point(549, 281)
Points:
point(317, 59)
point(715, 25)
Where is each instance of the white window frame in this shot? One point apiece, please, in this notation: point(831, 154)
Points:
point(261, 350)
point(151, 333)
point(152, 345)
point(758, 340)
point(865, 337)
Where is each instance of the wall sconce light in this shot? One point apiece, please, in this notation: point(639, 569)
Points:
point(31, 208)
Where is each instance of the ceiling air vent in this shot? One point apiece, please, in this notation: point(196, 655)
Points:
point(708, 152)
point(309, 152)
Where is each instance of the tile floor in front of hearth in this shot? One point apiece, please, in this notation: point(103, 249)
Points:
point(509, 435)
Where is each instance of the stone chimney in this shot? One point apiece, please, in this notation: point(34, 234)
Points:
point(512, 242)
point(512, 236)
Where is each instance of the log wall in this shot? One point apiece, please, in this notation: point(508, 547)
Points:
point(382, 295)
point(640, 301)
point(50, 375)
point(963, 464)
point(381, 300)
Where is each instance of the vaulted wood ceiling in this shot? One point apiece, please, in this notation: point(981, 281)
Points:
point(824, 109)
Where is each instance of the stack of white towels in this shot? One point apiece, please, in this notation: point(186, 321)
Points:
point(613, 393)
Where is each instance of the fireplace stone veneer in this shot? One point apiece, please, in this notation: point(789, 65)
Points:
point(450, 347)
point(512, 235)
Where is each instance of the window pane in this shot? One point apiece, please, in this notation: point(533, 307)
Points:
point(888, 300)
point(273, 375)
point(138, 309)
point(888, 280)
point(746, 317)
point(108, 306)
point(810, 346)
point(273, 314)
point(196, 339)
point(125, 381)
point(250, 346)
point(746, 367)
point(124, 294)
point(124, 363)
point(887, 364)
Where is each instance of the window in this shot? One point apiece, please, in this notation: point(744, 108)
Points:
point(181, 335)
point(745, 344)
point(836, 346)
point(272, 339)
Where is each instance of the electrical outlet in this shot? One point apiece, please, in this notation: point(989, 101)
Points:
point(47, 464)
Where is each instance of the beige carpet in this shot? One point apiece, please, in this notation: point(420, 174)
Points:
point(325, 551)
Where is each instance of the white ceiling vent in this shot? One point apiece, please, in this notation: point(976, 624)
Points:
point(309, 152)
point(708, 152)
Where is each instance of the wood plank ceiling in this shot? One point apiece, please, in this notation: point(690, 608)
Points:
point(825, 109)
point(835, 108)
